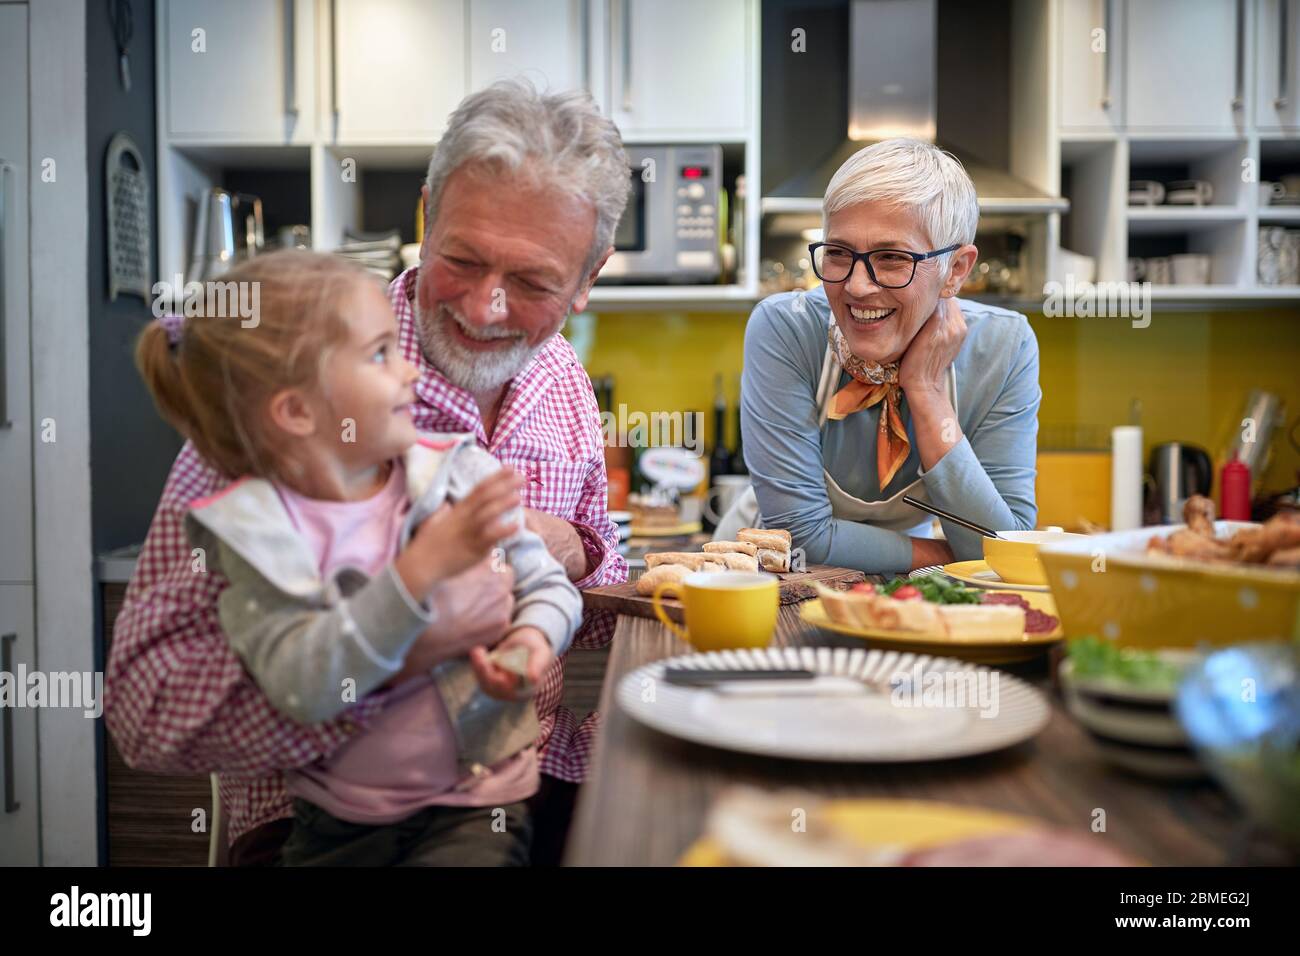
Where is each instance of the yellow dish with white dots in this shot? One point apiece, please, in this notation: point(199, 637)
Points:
point(1109, 586)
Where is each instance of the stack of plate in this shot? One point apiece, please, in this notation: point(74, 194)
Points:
point(377, 252)
point(1134, 727)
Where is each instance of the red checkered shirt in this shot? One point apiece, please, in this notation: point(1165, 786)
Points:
point(177, 698)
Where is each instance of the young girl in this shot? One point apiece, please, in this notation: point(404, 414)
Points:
point(338, 527)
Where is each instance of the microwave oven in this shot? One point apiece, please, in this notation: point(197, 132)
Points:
point(672, 227)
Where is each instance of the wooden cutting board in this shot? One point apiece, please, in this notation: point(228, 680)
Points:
point(795, 586)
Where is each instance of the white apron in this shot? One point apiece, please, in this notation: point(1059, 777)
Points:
point(893, 513)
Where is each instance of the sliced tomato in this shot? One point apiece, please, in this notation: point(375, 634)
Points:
point(908, 592)
point(862, 587)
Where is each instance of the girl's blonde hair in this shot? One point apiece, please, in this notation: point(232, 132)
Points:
point(212, 382)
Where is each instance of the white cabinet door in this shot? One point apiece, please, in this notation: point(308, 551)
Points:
point(1089, 53)
point(681, 66)
point(1182, 65)
point(1277, 64)
point(16, 557)
point(241, 71)
point(19, 809)
point(544, 40)
point(399, 69)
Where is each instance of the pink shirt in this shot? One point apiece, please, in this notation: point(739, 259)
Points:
point(406, 758)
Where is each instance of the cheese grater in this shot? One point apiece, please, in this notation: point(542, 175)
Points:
point(127, 195)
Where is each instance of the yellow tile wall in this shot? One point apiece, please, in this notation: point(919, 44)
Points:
point(1190, 370)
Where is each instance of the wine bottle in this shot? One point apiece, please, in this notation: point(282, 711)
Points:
point(720, 460)
point(738, 458)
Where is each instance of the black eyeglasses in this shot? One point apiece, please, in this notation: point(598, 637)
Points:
point(888, 268)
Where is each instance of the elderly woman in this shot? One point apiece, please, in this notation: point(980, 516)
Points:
point(881, 384)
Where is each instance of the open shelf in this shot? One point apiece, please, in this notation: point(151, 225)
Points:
point(630, 298)
point(1150, 220)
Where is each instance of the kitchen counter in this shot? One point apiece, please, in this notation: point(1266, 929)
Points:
point(117, 566)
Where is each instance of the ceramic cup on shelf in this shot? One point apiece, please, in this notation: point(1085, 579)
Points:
point(1268, 192)
point(1189, 192)
point(1291, 185)
point(1137, 269)
point(1190, 269)
point(1289, 273)
point(1145, 192)
point(1268, 257)
point(1159, 270)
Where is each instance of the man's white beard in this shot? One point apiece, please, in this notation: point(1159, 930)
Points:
point(470, 369)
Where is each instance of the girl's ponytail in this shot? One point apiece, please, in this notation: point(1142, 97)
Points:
point(155, 357)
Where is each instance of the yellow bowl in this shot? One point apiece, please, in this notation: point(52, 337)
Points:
point(1014, 555)
point(1107, 585)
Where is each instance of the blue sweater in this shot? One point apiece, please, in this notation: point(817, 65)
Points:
point(987, 477)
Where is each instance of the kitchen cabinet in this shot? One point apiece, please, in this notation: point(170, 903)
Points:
point(16, 555)
point(1089, 54)
point(1184, 66)
point(545, 40)
point(1277, 70)
point(239, 72)
point(681, 68)
point(398, 69)
point(19, 823)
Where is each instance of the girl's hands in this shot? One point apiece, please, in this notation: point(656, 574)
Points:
point(458, 536)
point(502, 684)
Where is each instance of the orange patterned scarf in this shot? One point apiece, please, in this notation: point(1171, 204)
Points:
point(872, 383)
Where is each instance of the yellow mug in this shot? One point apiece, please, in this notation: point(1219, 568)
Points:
point(724, 609)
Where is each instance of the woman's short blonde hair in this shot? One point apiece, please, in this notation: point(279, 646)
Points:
point(908, 172)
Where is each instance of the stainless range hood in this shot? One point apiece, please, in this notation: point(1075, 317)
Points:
point(892, 92)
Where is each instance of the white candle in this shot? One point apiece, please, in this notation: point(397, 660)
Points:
point(1125, 477)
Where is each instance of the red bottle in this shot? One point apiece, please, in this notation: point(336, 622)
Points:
point(1234, 491)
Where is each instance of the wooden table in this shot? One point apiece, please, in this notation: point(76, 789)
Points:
point(647, 794)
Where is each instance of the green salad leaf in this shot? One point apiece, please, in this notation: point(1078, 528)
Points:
point(1094, 657)
point(935, 587)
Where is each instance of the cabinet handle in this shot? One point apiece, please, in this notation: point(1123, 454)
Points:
point(291, 80)
point(1105, 55)
point(625, 17)
point(334, 65)
point(1238, 98)
point(5, 423)
point(7, 724)
point(1283, 59)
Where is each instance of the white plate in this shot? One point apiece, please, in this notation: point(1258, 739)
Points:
point(891, 725)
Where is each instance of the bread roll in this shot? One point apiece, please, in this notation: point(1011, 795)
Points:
point(646, 584)
point(725, 547)
point(778, 539)
point(736, 561)
point(707, 566)
point(692, 559)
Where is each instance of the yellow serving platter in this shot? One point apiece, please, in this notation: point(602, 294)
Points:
point(981, 575)
point(667, 531)
point(906, 825)
point(997, 650)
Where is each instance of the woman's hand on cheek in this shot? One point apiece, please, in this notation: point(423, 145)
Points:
point(934, 348)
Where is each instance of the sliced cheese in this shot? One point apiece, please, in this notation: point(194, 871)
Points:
point(983, 621)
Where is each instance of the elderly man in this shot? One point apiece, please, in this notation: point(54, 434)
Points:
point(523, 195)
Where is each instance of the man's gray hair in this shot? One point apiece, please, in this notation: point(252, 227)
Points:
point(908, 172)
point(559, 139)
